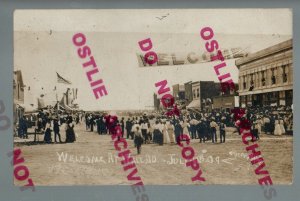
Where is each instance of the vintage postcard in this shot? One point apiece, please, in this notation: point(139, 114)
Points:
point(153, 97)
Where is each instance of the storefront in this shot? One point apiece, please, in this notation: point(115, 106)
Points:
point(266, 77)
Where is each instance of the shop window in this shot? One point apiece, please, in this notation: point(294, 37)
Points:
point(263, 81)
point(284, 75)
point(251, 85)
point(273, 78)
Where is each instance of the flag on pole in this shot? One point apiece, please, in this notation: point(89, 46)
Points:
point(60, 79)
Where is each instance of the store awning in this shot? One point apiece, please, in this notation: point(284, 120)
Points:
point(194, 104)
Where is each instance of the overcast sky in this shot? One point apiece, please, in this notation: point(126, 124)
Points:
point(43, 45)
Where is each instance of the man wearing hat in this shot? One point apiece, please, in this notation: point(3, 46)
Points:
point(128, 126)
point(222, 131)
point(178, 130)
point(213, 128)
point(201, 127)
point(56, 129)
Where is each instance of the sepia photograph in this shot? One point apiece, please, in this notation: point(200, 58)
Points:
point(154, 96)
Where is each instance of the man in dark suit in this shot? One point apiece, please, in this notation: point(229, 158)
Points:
point(102, 126)
point(122, 126)
point(178, 130)
point(87, 121)
point(222, 132)
point(201, 127)
point(92, 123)
point(128, 127)
point(56, 130)
point(193, 128)
point(98, 123)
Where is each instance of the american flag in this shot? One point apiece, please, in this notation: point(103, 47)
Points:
point(60, 79)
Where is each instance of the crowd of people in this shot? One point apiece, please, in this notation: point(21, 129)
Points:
point(159, 128)
point(45, 123)
point(204, 126)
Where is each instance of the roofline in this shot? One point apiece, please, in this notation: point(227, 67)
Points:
point(265, 52)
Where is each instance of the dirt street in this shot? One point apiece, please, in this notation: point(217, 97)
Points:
point(91, 161)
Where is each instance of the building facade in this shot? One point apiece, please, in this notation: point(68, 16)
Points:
point(196, 103)
point(199, 95)
point(18, 91)
point(156, 101)
point(225, 102)
point(18, 87)
point(178, 92)
point(188, 92)
point(266, 77)
point(203, 93)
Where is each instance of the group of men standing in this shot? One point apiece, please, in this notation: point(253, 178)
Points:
point(206, 129)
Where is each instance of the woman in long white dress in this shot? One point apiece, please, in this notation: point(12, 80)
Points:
point(218, 130)
point(259, 123)
point(170, 131)
point(165, 133)
point(277, 130)
point(185, 129)
point(150, 132)
point(282, 126)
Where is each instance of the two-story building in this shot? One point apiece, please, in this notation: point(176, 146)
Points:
point(266, 77)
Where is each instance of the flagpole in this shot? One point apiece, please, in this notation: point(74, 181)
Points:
point(59, 89)
point(61, 80)
point(57, 102)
